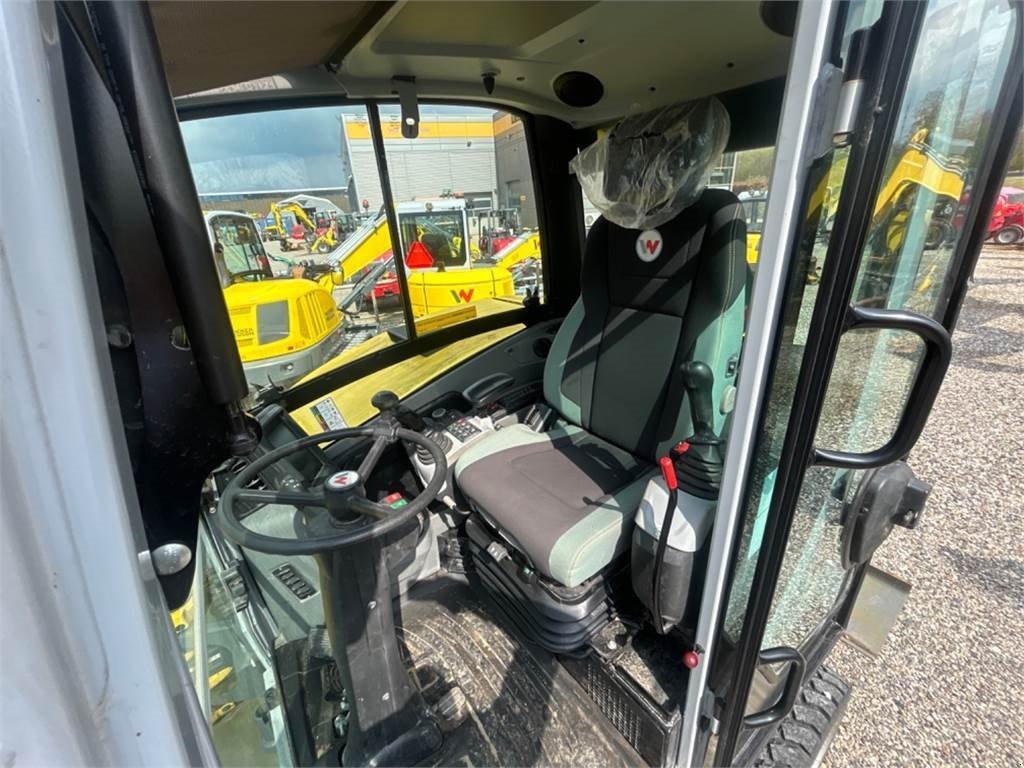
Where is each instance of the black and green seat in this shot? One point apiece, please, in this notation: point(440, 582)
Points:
point(565, 498)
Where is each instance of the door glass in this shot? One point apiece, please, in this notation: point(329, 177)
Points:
point(873, 366)
point(957, 72)
point(464, 195)
point(961, 60)
point(826, 174)
point(293, 201)
point(232, 672)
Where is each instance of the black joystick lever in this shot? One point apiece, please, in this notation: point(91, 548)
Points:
point(699, 380)
point(388, 404)
point(385, 401)
point(698, 460)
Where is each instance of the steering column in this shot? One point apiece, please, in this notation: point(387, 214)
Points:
point(347, 533)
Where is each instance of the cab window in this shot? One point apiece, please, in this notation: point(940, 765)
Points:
point(464, 195)
point(295, 205)
point(294, 201)
point(237, 239)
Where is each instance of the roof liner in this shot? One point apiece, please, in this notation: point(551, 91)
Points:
point(646, 54)
point(209, 45)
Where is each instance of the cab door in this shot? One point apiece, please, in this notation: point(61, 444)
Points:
point(859, 357)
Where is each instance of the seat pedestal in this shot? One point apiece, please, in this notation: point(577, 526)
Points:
point(560, 619)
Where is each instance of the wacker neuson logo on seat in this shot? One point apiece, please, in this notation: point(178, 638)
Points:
point(649, 244)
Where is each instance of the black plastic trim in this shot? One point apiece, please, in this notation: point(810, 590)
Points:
point(136, 70)
point(384, 174)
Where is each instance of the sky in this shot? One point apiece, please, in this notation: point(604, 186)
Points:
point(290, 149)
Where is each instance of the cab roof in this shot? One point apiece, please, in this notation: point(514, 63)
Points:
point(644, 54)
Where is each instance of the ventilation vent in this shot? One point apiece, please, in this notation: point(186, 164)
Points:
point(297, 585)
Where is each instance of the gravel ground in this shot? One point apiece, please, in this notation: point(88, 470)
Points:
point(948, 688)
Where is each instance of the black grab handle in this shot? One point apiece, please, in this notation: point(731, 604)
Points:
point(794, 680)
point(938, 353)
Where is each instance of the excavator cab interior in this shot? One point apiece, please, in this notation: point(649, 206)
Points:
point(520, 526)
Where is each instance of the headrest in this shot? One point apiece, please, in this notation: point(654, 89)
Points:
point(651, 166)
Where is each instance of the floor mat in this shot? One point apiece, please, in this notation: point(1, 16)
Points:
point(508, 703)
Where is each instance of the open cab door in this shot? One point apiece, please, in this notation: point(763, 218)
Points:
point(852, 364)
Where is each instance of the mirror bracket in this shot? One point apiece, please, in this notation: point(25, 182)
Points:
point(405, 87)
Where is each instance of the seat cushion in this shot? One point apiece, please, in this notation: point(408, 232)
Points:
point(564, 498)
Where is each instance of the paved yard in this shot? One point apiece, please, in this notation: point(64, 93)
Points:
point(949, 686)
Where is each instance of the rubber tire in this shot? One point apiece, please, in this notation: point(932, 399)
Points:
point(804, 734)
point(1013, 234)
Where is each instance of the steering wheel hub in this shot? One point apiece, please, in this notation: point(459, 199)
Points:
point(343, 481)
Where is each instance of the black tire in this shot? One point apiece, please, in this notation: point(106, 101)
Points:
point(803, 737)
point(1009, 235)
point(938, 233)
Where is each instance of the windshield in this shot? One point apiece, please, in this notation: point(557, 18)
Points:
point(295, 194)
point(236, 246)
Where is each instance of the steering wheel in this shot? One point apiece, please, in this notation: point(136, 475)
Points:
point(338, 514)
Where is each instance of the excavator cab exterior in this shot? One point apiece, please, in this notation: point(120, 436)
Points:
point(284, 326)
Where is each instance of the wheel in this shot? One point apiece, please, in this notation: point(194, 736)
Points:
point(804, 735)
point(938, 233)
point(1009, 235)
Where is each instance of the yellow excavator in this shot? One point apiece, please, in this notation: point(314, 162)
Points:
point(284, 326)
point(443, 269)
point(919, 168)
point(325, 242)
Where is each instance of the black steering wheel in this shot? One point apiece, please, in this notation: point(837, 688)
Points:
point(338, 514)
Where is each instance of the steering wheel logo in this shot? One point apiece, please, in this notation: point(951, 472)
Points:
point(343, 480)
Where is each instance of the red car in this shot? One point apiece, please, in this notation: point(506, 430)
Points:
point(1007, 223)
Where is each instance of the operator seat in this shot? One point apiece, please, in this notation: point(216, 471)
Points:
point(650, 301)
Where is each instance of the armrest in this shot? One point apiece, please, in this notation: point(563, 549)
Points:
point(481, 392)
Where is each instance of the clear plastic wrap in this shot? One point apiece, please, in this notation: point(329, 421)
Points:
point(651, 166)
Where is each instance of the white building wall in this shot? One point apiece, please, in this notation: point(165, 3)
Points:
point(424, 168)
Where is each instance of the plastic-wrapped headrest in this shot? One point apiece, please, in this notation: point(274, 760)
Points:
point(651, 166)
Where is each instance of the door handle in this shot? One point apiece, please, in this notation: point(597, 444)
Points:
point(794, 680)
point(938, 353)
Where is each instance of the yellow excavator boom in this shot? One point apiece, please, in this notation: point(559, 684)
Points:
point(526, 246)
point(363, 247)
point(923, 166)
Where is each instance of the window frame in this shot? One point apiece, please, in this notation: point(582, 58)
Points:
point(414, 344)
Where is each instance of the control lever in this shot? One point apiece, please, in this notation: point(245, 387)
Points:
point(698, 459)
point(388, 404)
point(699, 380)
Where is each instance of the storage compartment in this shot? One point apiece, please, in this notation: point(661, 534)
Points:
point(684, 552)
point(676, 576)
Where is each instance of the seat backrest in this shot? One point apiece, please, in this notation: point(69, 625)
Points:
point(651, 301)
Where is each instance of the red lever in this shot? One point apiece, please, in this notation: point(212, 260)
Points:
point(668, 471)
point(691, 660)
